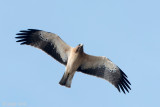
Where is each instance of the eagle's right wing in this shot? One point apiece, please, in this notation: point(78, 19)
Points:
point(51, 43)
point(104, 68)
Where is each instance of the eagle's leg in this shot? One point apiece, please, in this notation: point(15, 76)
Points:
point(66, 80)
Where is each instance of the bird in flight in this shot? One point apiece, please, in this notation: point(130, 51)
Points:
point(75, 59)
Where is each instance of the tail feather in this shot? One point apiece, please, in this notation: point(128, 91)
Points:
point(66, 80)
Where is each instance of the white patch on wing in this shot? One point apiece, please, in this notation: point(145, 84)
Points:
point(93, 64)
point(98, 62)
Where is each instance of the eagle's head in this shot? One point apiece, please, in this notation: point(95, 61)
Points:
point(79, 48)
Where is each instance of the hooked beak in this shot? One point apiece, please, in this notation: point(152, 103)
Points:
point(81, 44)
point(79, 48)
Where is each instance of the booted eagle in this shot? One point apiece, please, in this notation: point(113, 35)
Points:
point(75, 59)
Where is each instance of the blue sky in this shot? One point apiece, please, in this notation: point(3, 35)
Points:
point(125, 31)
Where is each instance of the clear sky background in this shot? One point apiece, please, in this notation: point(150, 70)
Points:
point(125, 31)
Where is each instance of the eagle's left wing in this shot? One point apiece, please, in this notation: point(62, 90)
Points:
point(50, 43)
point(104, 68)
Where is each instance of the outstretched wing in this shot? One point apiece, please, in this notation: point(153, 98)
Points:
point(51, 43)
point(104, 68)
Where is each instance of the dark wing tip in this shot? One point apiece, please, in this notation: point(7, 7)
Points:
point(25, 36)
point(33, 30)
point(123, 83)
point(117, 86)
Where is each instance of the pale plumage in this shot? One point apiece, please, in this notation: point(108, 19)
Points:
point(75, 59)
